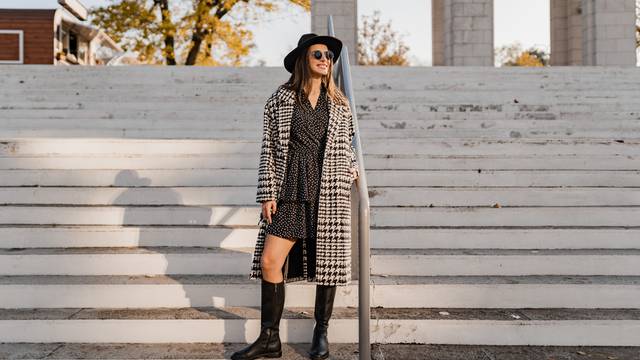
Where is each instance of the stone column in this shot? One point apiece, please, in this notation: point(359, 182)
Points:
point(608, 32)
point(468, 32)
point(344, 22)
point(566, 32)
point(437, 32)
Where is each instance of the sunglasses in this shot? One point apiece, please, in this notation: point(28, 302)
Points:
point(317, 54)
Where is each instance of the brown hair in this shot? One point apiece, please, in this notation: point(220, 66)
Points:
point(301, 75)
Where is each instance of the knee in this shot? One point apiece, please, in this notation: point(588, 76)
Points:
point(269, 263)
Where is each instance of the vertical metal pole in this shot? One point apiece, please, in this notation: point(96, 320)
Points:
point(364, 310)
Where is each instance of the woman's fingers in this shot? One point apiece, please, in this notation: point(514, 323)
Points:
point(269, 212)
point(267, 209)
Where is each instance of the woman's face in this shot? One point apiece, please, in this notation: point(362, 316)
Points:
point(318, 67)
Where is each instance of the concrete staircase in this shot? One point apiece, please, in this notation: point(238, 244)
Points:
point(505, 206)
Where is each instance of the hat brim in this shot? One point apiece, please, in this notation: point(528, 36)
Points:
point(334, 44)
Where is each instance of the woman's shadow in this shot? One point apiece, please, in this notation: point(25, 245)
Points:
point(180, 232)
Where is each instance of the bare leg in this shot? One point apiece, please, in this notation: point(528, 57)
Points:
point(274, 254)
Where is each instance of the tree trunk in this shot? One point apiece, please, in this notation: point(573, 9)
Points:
point(169, 40)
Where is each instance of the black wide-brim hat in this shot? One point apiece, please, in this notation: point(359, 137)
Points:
point(334, 44)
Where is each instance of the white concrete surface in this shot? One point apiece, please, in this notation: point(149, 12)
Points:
point(490, 188)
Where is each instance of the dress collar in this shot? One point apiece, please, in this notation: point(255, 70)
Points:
point(321, 97)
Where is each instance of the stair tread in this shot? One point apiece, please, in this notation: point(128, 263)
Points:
point(507, 252)
point(151, 250)
point(297, 351)
point(374, 279)
point(154, 250)
point(349, 313)
point(148, 250)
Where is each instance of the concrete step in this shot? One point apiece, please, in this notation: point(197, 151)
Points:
point(557, 326)
point(175, 291)
point(503, 101)
point(452, 113)
point(487, 110)
point(236, 261)
point(371, 129)
point(388, 77)
point(398, 217)
point(506, 217)
point(76, 236)
point(383, 196)
point(429, 262)
point(436, 82)
point(452, 146)
point(252, 125)
point(373, 162)
point(298, 351)
point(468, 146)
point(377, 178)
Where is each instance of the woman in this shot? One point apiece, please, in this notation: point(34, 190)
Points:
point(307, 165)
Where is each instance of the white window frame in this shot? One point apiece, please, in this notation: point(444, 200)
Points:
point(20, 34)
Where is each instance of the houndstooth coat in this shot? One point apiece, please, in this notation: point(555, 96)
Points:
point(333, 238)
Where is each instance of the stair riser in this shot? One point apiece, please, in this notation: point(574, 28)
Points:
point(416, 265)
point(387, 296)
point(239, 263)
point(207, 215)
point(227, 238)
point(78, 164)
point(567, 332)
point(364, 115)
point(392, 129)
point(244, 195)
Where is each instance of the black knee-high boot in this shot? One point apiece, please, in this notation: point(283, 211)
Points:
point(325, 294)
point(268, 342)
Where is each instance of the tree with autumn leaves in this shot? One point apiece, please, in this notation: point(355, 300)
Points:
point(189, 32)
point(379, 44)
point(513, 55)
point(163, 31)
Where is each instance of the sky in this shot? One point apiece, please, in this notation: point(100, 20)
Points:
point(278, 32)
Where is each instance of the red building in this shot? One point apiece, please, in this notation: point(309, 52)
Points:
point(58, 36)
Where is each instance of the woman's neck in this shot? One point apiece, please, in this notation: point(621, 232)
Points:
point(313, 86)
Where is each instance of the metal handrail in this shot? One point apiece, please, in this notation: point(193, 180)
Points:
point(364, 310)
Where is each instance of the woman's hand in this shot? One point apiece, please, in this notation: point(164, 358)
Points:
point(267, 208)
point(354, 173)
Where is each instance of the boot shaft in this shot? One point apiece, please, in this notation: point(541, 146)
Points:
point(325, 295)
point(272, 304)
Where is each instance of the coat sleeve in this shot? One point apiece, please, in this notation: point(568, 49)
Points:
point(266, 169)
point(354, 159)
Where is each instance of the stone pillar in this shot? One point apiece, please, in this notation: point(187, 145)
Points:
point(566, 32)
point(437, 32)
point(468, 32)
point(344, 22)
point(609, 32)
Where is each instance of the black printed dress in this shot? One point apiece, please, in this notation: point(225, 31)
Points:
point(296, 212)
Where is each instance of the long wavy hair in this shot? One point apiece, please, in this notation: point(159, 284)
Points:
point(302, 74)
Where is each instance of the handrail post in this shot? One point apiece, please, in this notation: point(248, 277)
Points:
point(364, 309)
